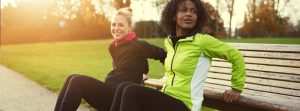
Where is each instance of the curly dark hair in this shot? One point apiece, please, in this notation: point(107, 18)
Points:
point(170, 10)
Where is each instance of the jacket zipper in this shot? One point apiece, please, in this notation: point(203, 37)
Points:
point(175, 49)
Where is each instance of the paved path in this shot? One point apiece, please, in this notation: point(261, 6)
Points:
point(18, 93)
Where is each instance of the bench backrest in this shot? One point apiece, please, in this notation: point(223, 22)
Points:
point(273, 71)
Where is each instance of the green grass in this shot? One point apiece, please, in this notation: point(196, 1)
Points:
point(50, 63)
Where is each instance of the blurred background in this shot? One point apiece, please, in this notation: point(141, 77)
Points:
point(27, 21)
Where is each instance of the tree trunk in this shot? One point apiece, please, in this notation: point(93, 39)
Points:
point(230, 4)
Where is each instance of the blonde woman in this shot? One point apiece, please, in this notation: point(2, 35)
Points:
point(129, 62)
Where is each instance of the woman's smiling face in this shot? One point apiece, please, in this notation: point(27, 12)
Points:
point(120, 27)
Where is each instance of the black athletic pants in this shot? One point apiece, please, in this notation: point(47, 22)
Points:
point(133, 97)
point(78, 87)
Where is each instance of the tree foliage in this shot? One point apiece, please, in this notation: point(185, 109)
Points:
point(215, 25)
point(59, 20)
point(148, 29)
point(264, 21)
point(121, 3)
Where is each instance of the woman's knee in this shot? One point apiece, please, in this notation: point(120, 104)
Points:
point(69, 78)
point(76, 78)
point(133, 90)
point(85, 81)
point(123, 85)
point(72, 75)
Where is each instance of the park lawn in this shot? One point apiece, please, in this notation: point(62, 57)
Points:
point(50, 63)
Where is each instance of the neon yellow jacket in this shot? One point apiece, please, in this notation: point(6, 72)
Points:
point(187, 66)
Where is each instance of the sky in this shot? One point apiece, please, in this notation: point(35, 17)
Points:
point(144, 10)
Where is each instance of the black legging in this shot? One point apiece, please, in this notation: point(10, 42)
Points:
point(78, 87)
point(133, 97)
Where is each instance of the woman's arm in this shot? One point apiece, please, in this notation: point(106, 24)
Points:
point(152, 51)
point(215, 48)
point(219, 49)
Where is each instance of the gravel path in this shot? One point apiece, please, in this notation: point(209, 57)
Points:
point(18, 93)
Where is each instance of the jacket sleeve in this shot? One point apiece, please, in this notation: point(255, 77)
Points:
point(215, 48)
point(146, 68)
point(152, 51)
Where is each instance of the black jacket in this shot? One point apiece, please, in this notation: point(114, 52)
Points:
point(130, 61)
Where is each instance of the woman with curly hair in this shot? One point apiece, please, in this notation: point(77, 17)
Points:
point(189, 55)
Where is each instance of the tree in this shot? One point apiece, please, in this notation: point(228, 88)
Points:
point(88, 24)
point(230, 6)
point(54, 20)
point(293, 30)
point(217, 8)
point(26, 22)
point(214, 26)
point(263, 21)
point(153, 29)
point(121, 3)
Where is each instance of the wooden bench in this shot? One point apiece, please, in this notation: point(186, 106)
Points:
point(272, 82)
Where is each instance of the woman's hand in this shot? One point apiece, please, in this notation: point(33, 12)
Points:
point(145, 77)
point(231, 95)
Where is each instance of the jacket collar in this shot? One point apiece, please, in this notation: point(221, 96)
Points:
point(187, 39)
point(128, 37)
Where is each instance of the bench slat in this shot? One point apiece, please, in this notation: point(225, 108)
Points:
point(260, 102)
point(277, 90)
point(254, 93)
point(154, 83)
point(268, 82)
point(272, 55)
point(264, 75)
point(290, 70)
point(264, 61)
point(267, 47)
